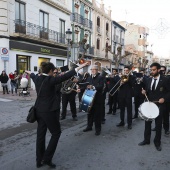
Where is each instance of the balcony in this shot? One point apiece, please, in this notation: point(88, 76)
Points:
point(75, 17)
point(90, 50)
point(36, 31)
point(99, 30)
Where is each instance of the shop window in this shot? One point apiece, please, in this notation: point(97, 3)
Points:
point(40, 60)
point(59, 63)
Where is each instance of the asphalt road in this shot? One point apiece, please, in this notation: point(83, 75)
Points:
point(115, 149)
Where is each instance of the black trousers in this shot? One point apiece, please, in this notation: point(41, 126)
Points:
point(103, 109)
point(158, 122)
point(50, 121)
point(138, 101)
point(95, 116)
point(113, 100)
point(166, 117)
point(126, 102)
point(71, 98)
point(5, 88)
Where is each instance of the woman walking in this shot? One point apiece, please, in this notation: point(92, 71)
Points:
point(4, 80)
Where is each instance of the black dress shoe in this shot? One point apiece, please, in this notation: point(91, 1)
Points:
point(167, 133)
point(62, 118)
point(87, 129)
point(114, 113)
point(75, 119)
point(135, 117)
point(50, 164)
point(143, 143)
point(97, 133)
point(154, 129)
point(159, 148)
point(103, 121)
point(39, 164)
point(129, 126)
point(120, 124)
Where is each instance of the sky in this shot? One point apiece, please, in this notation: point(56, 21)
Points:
point(154, 14)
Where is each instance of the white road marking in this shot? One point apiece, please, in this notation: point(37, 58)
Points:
point(5, 100)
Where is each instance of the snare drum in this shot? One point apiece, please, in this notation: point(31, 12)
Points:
point(87, 100)
point(148, 111)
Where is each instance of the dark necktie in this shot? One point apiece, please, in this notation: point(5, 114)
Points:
point(154, 84)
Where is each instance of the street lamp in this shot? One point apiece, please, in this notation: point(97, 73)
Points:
point(68, 38)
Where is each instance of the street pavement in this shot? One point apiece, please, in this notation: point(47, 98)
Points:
point(115, 149)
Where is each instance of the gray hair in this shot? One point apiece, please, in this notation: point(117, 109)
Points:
point(95, 67)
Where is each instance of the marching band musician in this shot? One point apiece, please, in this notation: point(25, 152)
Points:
point(71, 98)
point(113, 100)
point(158, 91)
point(125, 98)
point(140, 82)
point(95, 82)
point(167, 109)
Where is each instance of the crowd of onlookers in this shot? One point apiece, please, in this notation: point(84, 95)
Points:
point(11, 82)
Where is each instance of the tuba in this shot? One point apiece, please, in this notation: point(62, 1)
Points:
point(68, 86)
point(105, 72)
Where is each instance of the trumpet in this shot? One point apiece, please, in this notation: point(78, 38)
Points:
point(123, 79)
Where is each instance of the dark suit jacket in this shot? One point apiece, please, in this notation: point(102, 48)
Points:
point(126, 89)
point(47, 101)
point(112, 83)
point(162, 90)
point(98, 83)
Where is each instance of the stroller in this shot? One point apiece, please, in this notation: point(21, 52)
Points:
point(24, 85)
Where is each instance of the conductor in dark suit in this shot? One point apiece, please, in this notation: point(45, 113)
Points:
point(95, 82)
point(157, 89)
point(46, 112)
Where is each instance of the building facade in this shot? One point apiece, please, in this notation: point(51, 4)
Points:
point(33, 31)
point(117, 40)
point(82, 30)
point(101, 34)
point(137, 35)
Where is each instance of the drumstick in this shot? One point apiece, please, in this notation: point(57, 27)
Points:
point(146, 96)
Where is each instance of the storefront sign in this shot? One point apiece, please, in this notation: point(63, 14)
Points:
point(33, 48)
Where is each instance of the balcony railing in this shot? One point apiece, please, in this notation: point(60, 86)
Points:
point(99, 29)
point(37, 31)
point(75, 17)
point(90, 50)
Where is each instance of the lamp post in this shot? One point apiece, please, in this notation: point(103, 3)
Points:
point(68, 38)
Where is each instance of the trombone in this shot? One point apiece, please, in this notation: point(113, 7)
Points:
point(123, 79)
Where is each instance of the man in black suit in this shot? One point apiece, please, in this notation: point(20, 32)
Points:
point(140, 81)
point(157, 89)
point(95, 82)
point(113, 99)
point(46, 111)
point(125, 97)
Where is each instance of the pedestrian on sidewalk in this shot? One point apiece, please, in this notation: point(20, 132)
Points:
point(46, 111)
point(4, 80)
point(14, 82)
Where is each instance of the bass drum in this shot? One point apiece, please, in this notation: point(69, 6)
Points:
point(87, 100)
point(148, 111)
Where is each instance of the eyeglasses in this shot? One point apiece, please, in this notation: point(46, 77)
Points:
point(54, 72)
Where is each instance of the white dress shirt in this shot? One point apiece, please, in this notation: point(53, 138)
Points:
point(157, 80)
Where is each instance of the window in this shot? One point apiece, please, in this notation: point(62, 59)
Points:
point(62, 31)
point(44, 19)
point(98, 21)
point(44, 25)
point(20, 25)
point(98, 44)
point(59, 63)
point(19, 11)
point(107, 27)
